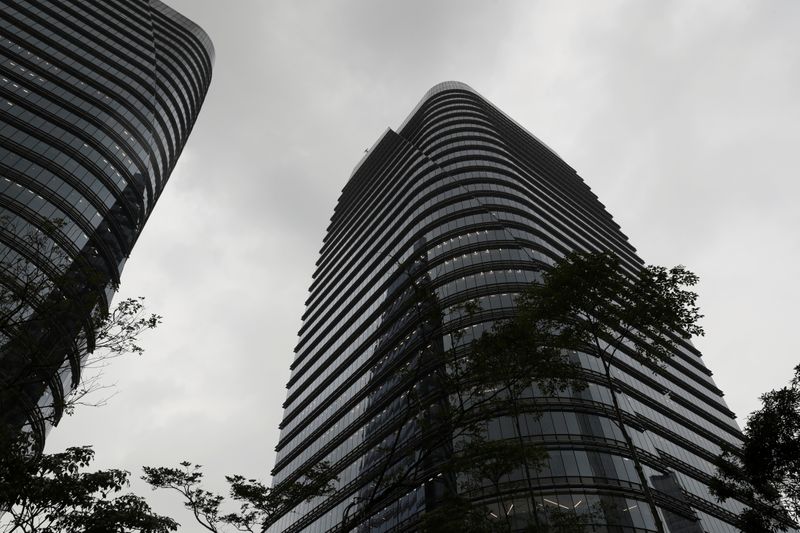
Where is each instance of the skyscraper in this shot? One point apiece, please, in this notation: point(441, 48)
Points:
point(97, 100)
point(463, 204)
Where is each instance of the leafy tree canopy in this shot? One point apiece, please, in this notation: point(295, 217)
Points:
point(258, 504)
point(587, 302)
point(53, 493)
point(766, 473)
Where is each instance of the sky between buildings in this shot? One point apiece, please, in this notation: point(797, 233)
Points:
point(682, 116)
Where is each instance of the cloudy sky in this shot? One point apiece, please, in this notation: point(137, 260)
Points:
point(682, 116)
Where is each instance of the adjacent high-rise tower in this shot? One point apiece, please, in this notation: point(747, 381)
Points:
point(461, 204)
point(97, 100)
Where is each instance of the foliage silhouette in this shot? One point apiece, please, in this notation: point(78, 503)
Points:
point(766, 474)
point(586, 303)
point(55, 333)
point(53, 494)
point(258, 504)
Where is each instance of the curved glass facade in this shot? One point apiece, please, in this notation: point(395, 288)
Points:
point(465, 205)
point(97, 100)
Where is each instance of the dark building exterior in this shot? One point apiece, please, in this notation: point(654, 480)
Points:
point(461, 204)
point(97, 99)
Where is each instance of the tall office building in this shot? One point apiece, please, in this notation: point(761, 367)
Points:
point(461, 204)
point(97, 99)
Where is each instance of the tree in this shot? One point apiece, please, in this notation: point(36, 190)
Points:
point(116, 334)
point(258, 504)
point(445, 399)
point(588, 303)
point(54, 495)
point(476, 463)
point(765, 473)
point(510, 359)
point(56, 334)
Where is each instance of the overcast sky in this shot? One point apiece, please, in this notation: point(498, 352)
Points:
point(683, 117)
